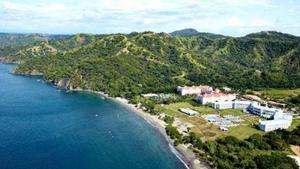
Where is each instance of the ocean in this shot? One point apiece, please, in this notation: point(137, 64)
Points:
point(42, 127)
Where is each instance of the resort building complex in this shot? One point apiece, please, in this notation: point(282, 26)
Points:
point(218, 100)
point(279, 120)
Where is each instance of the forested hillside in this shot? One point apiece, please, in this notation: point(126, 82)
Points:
point(128, 64)
point(50, 45)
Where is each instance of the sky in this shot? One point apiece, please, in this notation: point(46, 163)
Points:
point(227, 17)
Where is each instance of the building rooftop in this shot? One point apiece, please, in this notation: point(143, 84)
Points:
point(274, 122)
point(188, 111)
point(193, 87)
point(214, 94)
point(265, 108)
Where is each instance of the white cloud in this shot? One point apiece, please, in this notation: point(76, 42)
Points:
point(235, 22)
point(259, 23)
point(252, 23)
point(103, 16)
point(291, 10)
point(36, 8)
point(135, 5)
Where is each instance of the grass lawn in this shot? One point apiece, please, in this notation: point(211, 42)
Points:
point(243, 131)
point(201, 127)
point(295, 124)
point(234, 112)
point(280, 94)
point(209, 131)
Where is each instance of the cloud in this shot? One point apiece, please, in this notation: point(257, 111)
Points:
point(291, 10)
point(252, 23)
point(40, 8)
point(102, 16)
point(259, 23)
point(235, 22)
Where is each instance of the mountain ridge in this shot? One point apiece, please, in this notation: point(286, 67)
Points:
point(112, 63)
point(188, 32)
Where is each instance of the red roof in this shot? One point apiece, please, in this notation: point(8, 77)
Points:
point(213, 94)
point(194, 87)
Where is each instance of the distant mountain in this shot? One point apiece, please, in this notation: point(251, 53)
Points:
point(193, 32)
point(185, 32)
point(13, 39)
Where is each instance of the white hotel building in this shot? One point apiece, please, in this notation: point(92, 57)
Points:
point(280, 121)
point(193, 90)
point(237, 104)
point(264, 111)
point(271, 125)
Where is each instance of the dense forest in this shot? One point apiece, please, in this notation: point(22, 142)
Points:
point(130, 64)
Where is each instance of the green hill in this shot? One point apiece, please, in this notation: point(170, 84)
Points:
point(129, 64)
point(52, 45)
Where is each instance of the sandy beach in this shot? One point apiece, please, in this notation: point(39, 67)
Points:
point(181, 151)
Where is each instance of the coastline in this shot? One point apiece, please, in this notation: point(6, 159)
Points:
point(183, 153)
point(3, 60)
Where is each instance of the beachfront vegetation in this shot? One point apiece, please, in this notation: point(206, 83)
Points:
point(169, 119)
point(174, 134)
point(257, 152)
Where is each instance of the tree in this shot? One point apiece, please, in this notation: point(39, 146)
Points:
point(275, 161)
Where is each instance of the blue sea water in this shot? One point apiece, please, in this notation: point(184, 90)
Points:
point(42, 127)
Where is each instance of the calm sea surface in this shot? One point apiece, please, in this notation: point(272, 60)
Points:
point(42, 127)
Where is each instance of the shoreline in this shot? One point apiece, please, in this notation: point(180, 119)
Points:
point(154, 122)
point(184, 154)
point(158, 124)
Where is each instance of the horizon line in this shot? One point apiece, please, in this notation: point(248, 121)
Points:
point(114, 33)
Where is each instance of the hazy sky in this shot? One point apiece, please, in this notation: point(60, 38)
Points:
point(229, 17)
